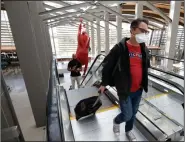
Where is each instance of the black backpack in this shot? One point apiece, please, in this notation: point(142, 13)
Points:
point(112, 72)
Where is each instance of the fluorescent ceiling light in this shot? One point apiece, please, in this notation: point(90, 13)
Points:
point(94, 7)
point(47, 9)
point(53, 4)
point(114, 4)
point(71, 10)
point(53, 14)
point(74, 2)
point(60, 13)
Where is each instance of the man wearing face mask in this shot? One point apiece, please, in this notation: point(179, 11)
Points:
point(130, 56)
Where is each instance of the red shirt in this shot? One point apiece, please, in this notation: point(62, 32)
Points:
point(135, 66)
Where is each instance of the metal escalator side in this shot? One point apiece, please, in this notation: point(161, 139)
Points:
point(159, 62)
point(53, 122)
point(58, 122)
point(165, 136)
point(90, 72)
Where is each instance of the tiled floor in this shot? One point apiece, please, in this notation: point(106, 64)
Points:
point(22, 107)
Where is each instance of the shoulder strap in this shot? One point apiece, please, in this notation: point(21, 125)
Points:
point(122, 50)
point(121, 45)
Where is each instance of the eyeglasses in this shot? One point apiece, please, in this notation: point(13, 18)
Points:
point(143, 30)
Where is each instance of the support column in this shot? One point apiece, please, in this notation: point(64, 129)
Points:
point(37, 23)
point(48, 40)
point(138, 10)
point(92, 39)
point(106, 17)
point(53, 40)
point(87, 27)
point(175, 7)
point(151, 37)
point(161, 36)
point(119, 24)
point(98, 37)
point(26, 36)
point(46, 33)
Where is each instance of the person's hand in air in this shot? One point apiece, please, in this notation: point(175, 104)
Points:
point(81, 20)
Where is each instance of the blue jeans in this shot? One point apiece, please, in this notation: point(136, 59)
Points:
point(129, 108)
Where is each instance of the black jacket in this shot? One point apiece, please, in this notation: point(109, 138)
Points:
point(122, 76)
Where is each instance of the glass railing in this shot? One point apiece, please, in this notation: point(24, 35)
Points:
point(96, 68)
point(92, 73)
point(168, 75)
point(160, 62)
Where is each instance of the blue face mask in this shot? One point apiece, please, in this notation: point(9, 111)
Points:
point(140, 38)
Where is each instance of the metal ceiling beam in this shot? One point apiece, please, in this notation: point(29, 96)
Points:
point(60, 3)
point(114, 2)
point(64, 3)
point(78, 12)
point(87, 19)
point(101, 18)
point(63, 15)
point(85, 24)
point(58, 20)
point(113, 12)
point(48, 6)
point(152, 7)
point(146, 17)
point(59, 15)
point(60, 23)
point(65, 8)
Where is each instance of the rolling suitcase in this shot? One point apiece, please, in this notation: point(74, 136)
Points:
point(87, 106)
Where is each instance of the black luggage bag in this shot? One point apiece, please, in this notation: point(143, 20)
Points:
point(87, 106)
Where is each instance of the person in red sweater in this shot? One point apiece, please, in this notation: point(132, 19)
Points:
point(83, 46)
point(131, 75)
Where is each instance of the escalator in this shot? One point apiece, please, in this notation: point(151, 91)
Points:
point(151, 123)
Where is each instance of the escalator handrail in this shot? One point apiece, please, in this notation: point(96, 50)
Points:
point(91, 67)
point(166, 58)
point(174, 84)
point(168, 72)
point(95, 71)
point(179, 87)
point(52, 110)
point(56, 70)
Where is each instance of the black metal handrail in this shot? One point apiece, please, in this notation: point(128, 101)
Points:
point(168, 72)
point(166, 57)
point(171, 82)
point(56, 70)
point(91, 67)
point(53, 129)
point(174, 84)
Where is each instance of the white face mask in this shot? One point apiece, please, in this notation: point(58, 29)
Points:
point(140, 38)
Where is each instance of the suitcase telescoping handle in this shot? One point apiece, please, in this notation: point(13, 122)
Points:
point(100, 94)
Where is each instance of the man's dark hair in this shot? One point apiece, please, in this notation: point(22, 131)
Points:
point(135, 23)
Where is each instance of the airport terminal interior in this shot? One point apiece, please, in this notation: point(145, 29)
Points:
point(38, 39)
